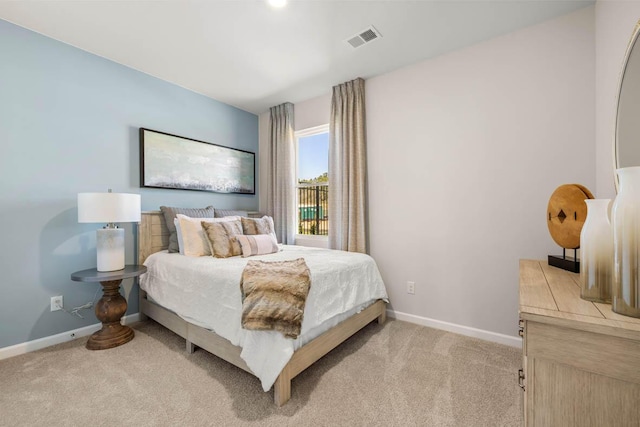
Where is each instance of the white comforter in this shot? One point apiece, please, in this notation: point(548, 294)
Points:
point(206, 291)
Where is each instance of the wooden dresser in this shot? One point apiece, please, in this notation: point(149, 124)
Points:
point(581, 361)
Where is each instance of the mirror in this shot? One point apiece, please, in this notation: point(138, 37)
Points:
point(627, 132)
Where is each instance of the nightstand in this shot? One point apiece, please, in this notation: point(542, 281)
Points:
point(111, 307)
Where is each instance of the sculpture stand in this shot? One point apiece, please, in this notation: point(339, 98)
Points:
point(566, 262)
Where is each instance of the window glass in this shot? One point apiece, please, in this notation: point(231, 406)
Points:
point(312, 195)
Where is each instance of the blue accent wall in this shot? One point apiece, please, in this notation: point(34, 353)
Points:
point(69, 123)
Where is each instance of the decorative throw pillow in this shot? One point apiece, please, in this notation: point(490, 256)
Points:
point(259, 244)
point(221, 213)
point(252, 226)
point(170, 213)
point(222, 237)
point(192, 240)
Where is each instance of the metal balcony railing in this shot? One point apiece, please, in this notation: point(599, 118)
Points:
point(313, 209)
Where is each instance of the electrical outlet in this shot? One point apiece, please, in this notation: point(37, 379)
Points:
point(56, 303)
point(411, 288)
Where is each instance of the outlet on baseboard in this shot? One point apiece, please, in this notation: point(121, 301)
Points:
point(411, 288)
point(56, 303)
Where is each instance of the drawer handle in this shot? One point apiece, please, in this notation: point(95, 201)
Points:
point(521, 378)
point(521, 328)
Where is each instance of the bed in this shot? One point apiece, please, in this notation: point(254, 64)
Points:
point(153, 239)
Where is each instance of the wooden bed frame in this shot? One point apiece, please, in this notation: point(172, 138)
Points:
point(153, 236)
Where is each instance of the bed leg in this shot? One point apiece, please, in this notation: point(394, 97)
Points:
point(383, 316)
point(142, 298)
point(190, 347)
point(282, 388)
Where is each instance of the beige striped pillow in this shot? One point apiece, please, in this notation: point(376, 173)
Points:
point(258, 244)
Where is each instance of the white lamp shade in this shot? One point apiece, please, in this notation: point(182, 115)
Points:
point(108, 207)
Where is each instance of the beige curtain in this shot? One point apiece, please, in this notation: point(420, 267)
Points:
point(348, 168)
point(281, 183)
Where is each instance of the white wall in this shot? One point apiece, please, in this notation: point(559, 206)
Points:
point(313, 112)
point(615, 21)
point(464, 151)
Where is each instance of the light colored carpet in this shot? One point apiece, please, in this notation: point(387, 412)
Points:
point(398, 374)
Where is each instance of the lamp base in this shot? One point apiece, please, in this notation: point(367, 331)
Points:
point(110, 249)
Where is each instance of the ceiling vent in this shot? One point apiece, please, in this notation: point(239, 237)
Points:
point(365, 36)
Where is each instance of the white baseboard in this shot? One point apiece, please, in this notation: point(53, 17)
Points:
point(458, 329)
point(41, 343)
point(132, 318)
point(29, 346)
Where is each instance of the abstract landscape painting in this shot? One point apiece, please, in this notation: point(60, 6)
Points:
point(170, 161)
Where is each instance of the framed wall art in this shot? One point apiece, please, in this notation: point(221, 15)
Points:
point(171, 161)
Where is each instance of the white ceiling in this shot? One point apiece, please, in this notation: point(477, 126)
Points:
point(247, 54)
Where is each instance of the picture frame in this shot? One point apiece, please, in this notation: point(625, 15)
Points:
point(176, 162)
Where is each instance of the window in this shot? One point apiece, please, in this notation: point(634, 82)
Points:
point(312, 181)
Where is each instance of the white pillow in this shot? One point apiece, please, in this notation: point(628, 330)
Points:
point(192, 240)
point(258, 244)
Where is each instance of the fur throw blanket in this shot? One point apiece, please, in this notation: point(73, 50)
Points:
point(274, 295)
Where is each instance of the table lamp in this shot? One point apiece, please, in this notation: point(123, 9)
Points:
point(109, 208)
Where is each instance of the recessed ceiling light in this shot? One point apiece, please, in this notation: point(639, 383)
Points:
point(277, 3)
